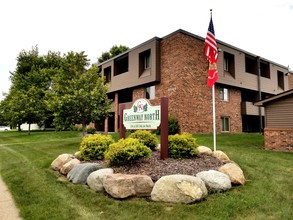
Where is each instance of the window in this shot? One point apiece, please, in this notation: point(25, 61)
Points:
point(281, 80)
point(229, 63)
point(144, 62)
point(107, 74)
point(147, 61)
point(265, 69)
point(225, 124)
point(150, 92)
point(224, 94)
point(121, 65)
point(250, 64)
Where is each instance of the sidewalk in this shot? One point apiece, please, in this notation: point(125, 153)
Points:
point(8, 210)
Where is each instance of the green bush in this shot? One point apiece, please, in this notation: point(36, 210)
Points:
point(145, 137)
point(126, 151)
point(173, 126)
point(182, 146)
point(91, 130)
point(93, 147)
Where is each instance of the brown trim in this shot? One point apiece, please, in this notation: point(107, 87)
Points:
point(278, 129)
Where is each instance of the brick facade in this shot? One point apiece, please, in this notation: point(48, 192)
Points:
point(184, 82)
point(278, 139)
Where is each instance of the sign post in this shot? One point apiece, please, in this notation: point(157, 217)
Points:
point(142, 115)
point(164, 128)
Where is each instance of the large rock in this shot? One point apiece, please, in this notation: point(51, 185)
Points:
point(234, 172)
point(204, 150)
point(220, 155)
point(95, 179)
point(60, 161)
point(80, 172)
point(69, 165)
point(215, 181)
point(179, 189)
point(123, 185)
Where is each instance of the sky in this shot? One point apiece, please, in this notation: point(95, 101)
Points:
point(261, 27)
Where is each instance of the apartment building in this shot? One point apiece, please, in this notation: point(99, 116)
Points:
point(174, 66)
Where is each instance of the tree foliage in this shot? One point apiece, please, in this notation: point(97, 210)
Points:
point(79, 95)
point(114, 51)
point(54, 85)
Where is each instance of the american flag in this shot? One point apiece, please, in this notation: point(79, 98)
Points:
point(211, 51)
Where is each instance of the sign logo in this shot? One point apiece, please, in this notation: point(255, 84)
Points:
point(142, 115)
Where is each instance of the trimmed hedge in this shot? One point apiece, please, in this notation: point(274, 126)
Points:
point(146, 137)
point(126, 151)
point(93, 147)
point(182, 146)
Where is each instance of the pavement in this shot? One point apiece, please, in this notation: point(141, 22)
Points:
point(8, 209)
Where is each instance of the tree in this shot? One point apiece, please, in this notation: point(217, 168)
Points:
point(79, 95)
point(114, 51)
point(25, 102)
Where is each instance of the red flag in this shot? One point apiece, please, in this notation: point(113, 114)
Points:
point(213, 74)
point(211, 52)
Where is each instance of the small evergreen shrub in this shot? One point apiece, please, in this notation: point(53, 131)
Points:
point(91, 130)
point(126, 151)
point(182, 146)
point(173, 126)
point(145, 137)
point(93, 147)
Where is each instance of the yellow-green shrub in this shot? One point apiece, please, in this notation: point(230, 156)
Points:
point(93, 147)
point(182, 146)
point(145, 137)
point(126, 151)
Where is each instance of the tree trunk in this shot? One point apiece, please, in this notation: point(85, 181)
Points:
point(83, 128)
point(29, 129)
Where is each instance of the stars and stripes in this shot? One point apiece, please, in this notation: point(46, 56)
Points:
point(211, 52)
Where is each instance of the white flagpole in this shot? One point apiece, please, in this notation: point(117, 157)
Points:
point(214, 117)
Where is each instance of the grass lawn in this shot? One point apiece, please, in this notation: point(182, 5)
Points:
point(25, 167)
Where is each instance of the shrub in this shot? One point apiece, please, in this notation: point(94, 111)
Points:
point(173, 126)
point(126, 151)
point(145, 137)
point(91, 130)
point(94, 146)
point(182, 146)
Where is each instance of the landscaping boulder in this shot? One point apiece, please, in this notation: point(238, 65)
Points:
point(215, 181)
point(220, 155)
point(234, 172)
point(179, 189)
point(204, 150)
point(68, 166)
point(60, 161)
point(95, 179)
point(124, 185)
point(80, 172)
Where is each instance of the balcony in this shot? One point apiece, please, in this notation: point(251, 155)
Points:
point(247, 108)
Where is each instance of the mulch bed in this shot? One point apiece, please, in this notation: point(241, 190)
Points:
point(156, 168)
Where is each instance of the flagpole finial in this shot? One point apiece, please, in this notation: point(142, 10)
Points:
point(211, 10)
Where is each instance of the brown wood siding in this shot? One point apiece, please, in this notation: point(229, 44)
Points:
point(247, 80)
point(131, 78)
point(279, 114)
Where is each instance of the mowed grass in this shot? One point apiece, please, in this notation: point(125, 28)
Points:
point(40, 193)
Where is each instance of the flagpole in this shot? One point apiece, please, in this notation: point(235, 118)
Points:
point(214, 117)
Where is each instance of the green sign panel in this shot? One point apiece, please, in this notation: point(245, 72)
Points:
point(142, 115)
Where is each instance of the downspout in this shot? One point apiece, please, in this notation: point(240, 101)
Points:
point(259, 94)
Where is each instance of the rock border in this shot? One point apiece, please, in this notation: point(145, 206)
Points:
point(177, 188)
